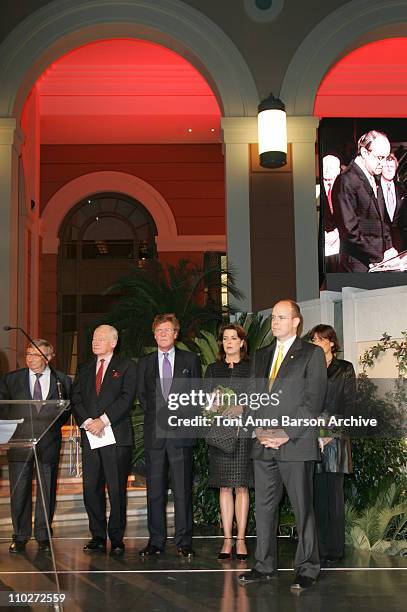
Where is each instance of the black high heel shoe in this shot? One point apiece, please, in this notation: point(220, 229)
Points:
point(241, 556)
point(223, 556)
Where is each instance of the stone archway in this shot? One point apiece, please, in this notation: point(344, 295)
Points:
point(63, 25)
point(78, 189)
point(338, 34)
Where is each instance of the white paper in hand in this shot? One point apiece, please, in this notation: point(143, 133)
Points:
point(106, 440)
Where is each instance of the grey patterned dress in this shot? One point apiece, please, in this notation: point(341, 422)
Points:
point(230, 469)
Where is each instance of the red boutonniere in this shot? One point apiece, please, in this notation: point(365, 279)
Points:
point(116, 374)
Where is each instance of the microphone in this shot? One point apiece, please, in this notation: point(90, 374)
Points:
point(31, 341)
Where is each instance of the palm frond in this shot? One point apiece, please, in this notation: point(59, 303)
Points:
point(357, 538)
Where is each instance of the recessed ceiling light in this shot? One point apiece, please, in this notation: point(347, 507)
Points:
point(189, 130)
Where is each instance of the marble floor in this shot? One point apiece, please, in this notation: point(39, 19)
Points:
point(361, 582)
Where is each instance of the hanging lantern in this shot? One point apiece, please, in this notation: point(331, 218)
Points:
point(272, 133)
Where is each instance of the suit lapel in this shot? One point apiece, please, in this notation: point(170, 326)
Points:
point(178, 364)
point(378, 202)
point(91, 378)
point(52, 393)
point(399, 201)
point(108, 374)
point(263, 370)
point(292, 352)
point(156, 374)
point(26, 384)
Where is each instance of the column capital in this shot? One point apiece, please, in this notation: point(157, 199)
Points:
point(302, 129)
point(243, 130)
point(239, 130)
point(7, 129)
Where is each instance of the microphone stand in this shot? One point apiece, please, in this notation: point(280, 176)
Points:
point(51, 367)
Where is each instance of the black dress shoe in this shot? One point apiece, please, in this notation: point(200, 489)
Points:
point(302, 582)
point(95, 545)
point(150, 551)
point(44, 545)
point(256, 576)
point(17, 547)
point(117, 549)
point(185, 551)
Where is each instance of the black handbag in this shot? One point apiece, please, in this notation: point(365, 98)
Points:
point(223, 437)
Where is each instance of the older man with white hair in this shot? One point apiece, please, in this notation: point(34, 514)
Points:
point(359, 207)
point(102, 400)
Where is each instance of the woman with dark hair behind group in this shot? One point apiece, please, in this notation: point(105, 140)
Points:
point(230, 471)
point(336, 451)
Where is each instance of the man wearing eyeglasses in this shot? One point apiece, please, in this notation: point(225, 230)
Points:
point(38, 382)
point(169, 370)
point(294, 371)
point(359, 207)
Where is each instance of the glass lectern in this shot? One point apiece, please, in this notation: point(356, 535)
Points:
point(23, 428)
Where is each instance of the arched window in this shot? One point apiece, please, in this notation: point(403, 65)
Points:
point(101, 238)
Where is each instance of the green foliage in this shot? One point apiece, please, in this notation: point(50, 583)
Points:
point(257, 328)
point(379, 458)
point(157, 289)
point(379, 526)
point(205, 499)
point(386, 343)
point(137, 419)
point(374, 460)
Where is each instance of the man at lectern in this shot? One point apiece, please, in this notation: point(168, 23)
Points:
point(38, 382)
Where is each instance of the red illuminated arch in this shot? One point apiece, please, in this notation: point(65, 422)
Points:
point(368, 82)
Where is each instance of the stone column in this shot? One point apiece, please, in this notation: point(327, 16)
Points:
point(302, 135)
point(237, 135)
point(10, 149)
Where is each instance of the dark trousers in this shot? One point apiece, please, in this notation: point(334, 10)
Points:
point(21, 477)
point(297, 477)
point(330, 514)
point(179, 461)
point(109, 465)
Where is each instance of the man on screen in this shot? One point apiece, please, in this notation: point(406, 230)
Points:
point(359, 207)
point(331, 167)
point(396, 203)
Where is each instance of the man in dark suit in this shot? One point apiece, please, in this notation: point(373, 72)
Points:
point(36, 381)
point(102, 399)
point(395, 199)
point(295, 370)
point(331, 168)
point(359, 208)
point(169, 370)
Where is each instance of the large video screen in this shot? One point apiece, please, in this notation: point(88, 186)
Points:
point(363, 195)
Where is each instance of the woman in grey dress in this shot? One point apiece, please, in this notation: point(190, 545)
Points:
point(232, 472)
